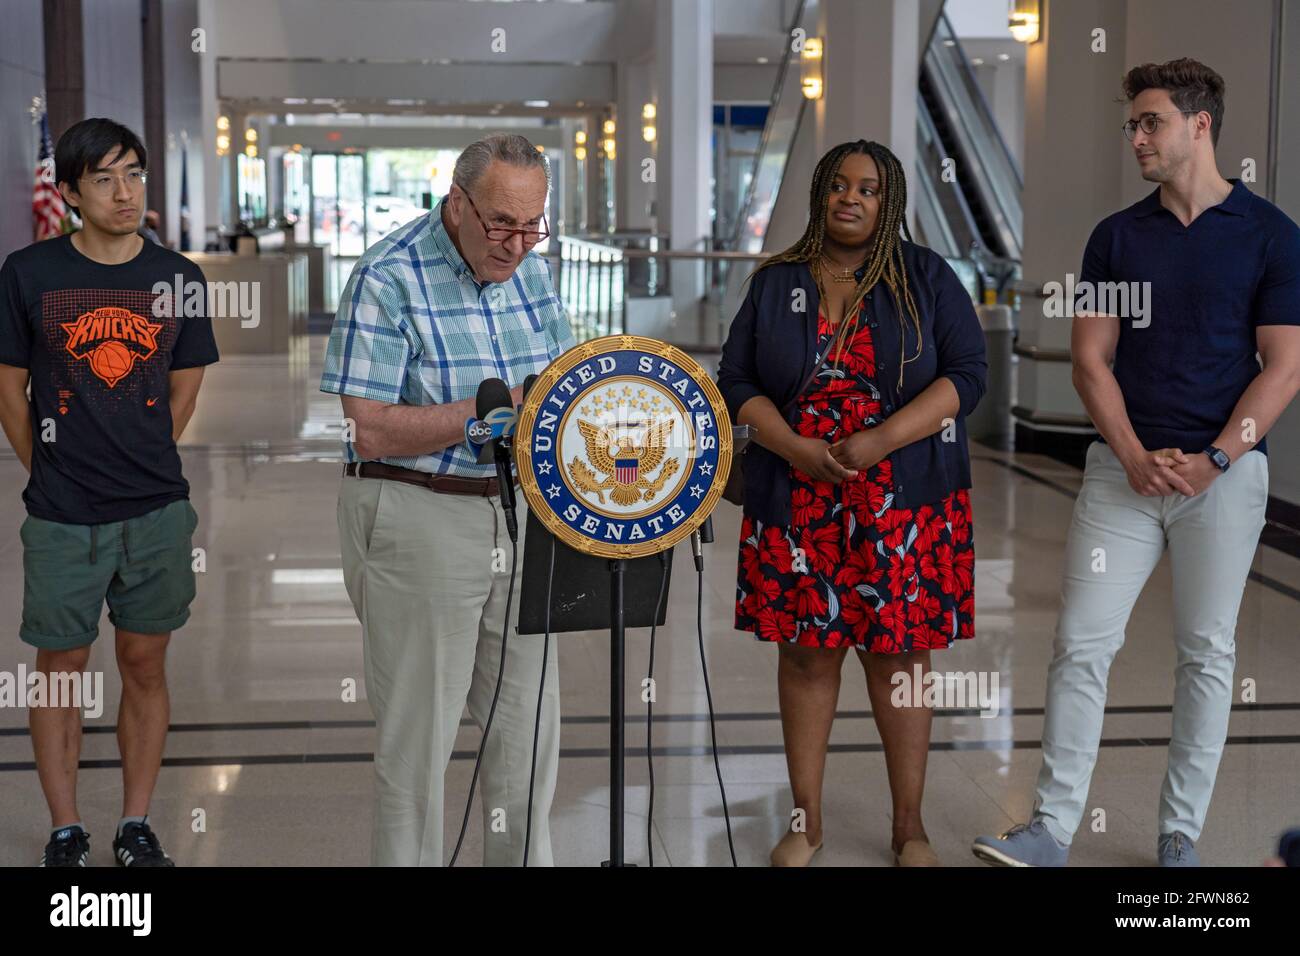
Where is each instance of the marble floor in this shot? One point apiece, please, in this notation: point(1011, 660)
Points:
point(279, 764)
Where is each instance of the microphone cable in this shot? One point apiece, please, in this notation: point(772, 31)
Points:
point(505, 483)
point(702, 534)
point(541, 689)
point(487, 726)
point(649, 708)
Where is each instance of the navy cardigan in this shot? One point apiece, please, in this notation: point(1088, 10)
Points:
point(772, 346)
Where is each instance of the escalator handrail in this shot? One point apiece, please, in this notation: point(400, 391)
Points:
point(999, 183)
point(1000, 189)
point(981, 103)
point(733, 241)
point(926, 123)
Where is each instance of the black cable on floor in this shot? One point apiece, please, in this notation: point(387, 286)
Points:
point(501, 669)
point(541, 689)
point(708, 694)
point(649, 708)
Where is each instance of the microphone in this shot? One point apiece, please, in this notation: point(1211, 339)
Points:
point(528, 383)
point(492, 399)
point(497, 424)
point(492, 422)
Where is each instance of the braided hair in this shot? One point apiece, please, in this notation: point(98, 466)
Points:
point(885, 260)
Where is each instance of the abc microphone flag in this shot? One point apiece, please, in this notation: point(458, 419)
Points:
point(495, 420)
point(480, 433)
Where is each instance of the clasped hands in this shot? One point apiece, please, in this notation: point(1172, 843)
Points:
point(1169, 471)
point(842, 460)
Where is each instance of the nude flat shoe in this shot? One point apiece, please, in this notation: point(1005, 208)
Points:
point(916, 853)
point(794, 850)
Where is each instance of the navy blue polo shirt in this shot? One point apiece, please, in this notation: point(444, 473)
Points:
point(1183, 366)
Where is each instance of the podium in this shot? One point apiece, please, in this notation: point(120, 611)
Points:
point(623, 447)
point(565, 591)
point(582, 592)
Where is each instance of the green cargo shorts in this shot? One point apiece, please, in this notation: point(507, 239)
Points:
point(141, 566)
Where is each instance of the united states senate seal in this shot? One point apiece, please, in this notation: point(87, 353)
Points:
point(623, 447)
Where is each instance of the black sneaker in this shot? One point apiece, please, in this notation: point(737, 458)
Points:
point(137, 846)
point(69, 846)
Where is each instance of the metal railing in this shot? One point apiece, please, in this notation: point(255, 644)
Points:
point(609, 290)
point(593, 281)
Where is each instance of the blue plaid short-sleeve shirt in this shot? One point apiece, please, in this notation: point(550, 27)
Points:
point(414, 328)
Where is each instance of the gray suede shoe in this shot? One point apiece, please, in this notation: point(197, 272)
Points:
point(1174, 849)
point(1025, 844)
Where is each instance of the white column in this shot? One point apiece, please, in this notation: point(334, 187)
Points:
point(684, 78)
point(1072, 145)
point(870, 68)
point(633, 194)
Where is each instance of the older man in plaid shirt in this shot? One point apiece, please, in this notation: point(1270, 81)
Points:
point(429, 312)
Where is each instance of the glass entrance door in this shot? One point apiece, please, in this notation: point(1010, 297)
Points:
point(338, 214)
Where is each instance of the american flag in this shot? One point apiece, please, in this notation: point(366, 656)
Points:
point(49, 215)
point(625, 470)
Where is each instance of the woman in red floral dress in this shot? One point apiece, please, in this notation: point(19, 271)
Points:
point(872, 576)
point(857, 525)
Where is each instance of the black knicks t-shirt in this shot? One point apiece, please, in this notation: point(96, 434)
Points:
point(99, 343)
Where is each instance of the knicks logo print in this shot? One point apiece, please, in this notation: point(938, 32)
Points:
point(111, 339)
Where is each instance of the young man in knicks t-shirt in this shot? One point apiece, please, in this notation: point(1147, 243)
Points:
point(114, 369)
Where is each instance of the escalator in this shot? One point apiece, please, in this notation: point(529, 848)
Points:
point(973, 201)
point(966, 186)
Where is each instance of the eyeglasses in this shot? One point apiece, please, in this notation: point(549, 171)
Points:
point(501, 234)
point(105, 184)
point(1148, 122)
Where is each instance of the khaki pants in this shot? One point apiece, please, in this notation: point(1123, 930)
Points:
point(1211, 540)
point(418, 567)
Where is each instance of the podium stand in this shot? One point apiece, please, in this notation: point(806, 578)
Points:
point(591, 593)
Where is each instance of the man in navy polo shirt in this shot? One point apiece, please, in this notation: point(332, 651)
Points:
point(1182, 464)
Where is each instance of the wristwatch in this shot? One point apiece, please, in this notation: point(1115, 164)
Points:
point(1219, 457)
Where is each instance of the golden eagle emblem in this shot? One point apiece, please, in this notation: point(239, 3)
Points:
point(625, 465)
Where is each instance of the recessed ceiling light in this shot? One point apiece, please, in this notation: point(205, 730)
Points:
point(762, 59)
point(1004, 56)
point(977, 61)
point(537, 104)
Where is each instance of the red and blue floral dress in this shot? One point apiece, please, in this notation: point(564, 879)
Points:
point(851, 569)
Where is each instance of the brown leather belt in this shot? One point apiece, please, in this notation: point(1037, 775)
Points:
point(444, 484)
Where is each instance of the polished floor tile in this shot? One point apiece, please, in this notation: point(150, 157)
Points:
point(268, 763)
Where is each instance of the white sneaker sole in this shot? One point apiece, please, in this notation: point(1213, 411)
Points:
point(995, 857)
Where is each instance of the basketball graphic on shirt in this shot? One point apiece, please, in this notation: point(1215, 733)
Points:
point(111, 339)
point(111, 361)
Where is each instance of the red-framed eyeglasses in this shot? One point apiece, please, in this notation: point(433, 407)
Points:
point(501, 234)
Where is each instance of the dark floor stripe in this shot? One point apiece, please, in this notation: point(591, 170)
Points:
point(635, 717)
point(1024, 472)
point(1267, 541)
point(592, 753)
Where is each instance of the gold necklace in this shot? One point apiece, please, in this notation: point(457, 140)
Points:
point(845, 276)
